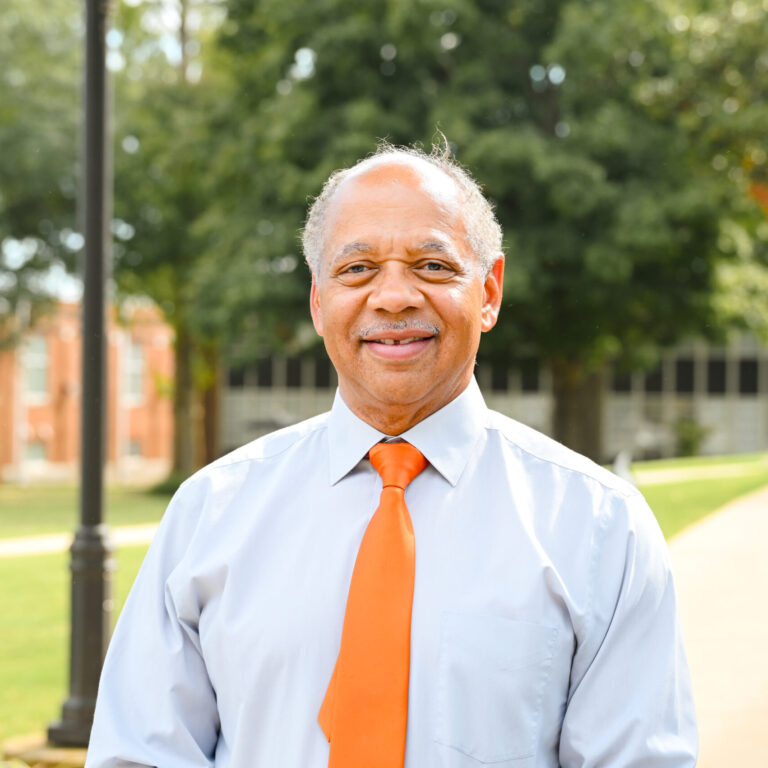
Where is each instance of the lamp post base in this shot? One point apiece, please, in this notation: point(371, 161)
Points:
point(74, 728)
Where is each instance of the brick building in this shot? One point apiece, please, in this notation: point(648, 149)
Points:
point(40, 397)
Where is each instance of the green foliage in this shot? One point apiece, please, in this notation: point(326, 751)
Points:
point(590, 124)
point(618, 141)
point(689, 436)
point(40, 52)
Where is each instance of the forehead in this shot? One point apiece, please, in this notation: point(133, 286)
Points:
point(397, 195)
point(414, 173)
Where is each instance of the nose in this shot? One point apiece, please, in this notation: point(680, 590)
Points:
point(395, 290)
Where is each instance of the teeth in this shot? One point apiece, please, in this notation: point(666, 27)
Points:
point(403, 341)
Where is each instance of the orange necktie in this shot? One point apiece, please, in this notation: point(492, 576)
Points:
point(365, 710)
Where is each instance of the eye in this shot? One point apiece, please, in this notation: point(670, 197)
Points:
point(436, 270)
point(355, 273)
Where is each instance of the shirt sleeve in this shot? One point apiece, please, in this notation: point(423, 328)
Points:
point(156, 705)
point(630, 702)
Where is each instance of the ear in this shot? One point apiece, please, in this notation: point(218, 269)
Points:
point(314, 307)
point(492, 290)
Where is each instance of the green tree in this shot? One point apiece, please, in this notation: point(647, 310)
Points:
point(594, 126)
point(40, 53)
point(164, 93)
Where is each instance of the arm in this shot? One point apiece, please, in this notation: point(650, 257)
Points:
point(630, 701)
point(156, 705)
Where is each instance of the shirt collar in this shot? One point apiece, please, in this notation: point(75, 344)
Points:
point(446, 437)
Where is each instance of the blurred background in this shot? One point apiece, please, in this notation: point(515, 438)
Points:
point(624, 144)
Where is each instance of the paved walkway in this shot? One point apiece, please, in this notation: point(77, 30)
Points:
point(721, 572)
point(59, 542)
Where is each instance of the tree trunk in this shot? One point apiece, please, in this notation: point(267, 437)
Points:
point(210, 390)
point(578, 408)
point(184, 428)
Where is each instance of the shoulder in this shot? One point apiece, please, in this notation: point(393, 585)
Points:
point(271, 446)
point(219, 486)
point(570, 492)
point(542, 452)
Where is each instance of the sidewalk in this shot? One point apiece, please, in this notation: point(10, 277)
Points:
point(128, 535)
point(721, 573)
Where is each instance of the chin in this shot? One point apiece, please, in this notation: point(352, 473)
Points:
point(399, 395)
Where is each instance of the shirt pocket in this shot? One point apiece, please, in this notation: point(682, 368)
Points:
point(491, 680)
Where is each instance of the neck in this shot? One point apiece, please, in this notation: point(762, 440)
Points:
point(395, 418)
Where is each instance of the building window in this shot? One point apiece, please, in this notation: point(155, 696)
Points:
point(622, 381)
point(293, 372)
point(36, 450)
point(134, 448)
point(684, 376)
point(653, 380)
point(323, 373)
point(134, 372)
point(716, 378)
point(264, 372)
point(529, 375)
point(499, 377)
point(35, 362)
point(748, 376)
point(236, 377)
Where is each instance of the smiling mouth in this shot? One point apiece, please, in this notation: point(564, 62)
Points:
point(400, 341)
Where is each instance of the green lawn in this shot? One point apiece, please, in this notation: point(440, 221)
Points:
point(34, 635)
point(25, 511)
point(679, 504)
point(749, 460)
point(679, 501)
point(34, 590)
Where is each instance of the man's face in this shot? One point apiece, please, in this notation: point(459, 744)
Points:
point(399, 297)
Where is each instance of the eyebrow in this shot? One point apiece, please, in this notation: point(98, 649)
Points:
point(435, 246)
point(355, 247)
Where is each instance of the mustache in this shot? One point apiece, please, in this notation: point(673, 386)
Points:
point(397, 325)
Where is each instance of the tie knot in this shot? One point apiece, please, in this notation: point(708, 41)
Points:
point(397, 463)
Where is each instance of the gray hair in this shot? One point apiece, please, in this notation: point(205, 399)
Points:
point(483, 230)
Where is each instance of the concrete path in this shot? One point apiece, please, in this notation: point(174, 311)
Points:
point(721, 572)
point(59, 542)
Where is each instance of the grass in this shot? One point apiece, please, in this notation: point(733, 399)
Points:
point(34, 591)
point(34, 635)
point(678, 501)
point(26, 511)
point(749, 460)
point(677, 505)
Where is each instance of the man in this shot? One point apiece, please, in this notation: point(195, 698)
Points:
point(281, 617)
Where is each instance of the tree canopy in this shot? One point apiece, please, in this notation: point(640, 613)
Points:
point(594, 127)
point(612, 137)
point(623, 145)
point(39, 96)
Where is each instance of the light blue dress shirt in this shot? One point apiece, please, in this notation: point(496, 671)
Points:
point(544, 629)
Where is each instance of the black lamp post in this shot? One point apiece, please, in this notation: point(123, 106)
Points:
point(91, 561)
